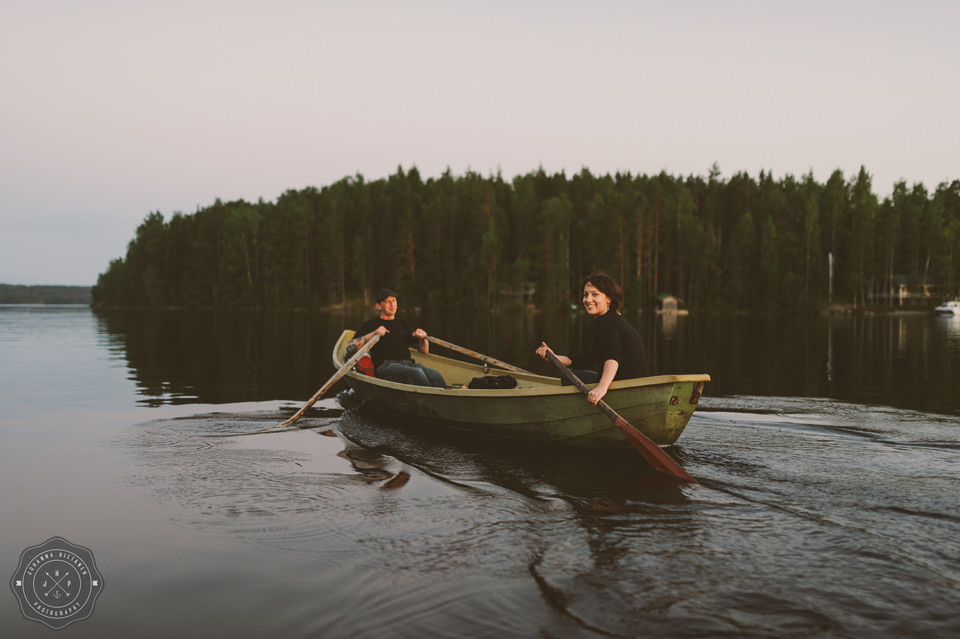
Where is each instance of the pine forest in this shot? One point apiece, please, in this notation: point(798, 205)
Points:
point(471, 242)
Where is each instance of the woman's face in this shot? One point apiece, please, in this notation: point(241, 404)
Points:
point(595, 302)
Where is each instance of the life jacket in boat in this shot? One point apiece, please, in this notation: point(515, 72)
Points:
point(365, 366)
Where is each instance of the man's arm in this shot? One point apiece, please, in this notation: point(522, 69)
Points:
point(423, 345)
point(357, 342)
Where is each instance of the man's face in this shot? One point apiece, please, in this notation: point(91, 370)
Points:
point(388, 307)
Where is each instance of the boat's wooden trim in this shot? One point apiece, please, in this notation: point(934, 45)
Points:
point(458, 372)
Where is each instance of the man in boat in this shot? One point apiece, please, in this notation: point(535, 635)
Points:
point(391, 355)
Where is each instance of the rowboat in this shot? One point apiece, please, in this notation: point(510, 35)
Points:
point(538, 410)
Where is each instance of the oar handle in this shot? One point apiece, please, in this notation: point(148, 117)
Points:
point(583, 388)
point(333, 380)
point(647, 447)
point(475, 355)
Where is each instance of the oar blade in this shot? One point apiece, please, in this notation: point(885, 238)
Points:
point(653, 453)
point(330, 382)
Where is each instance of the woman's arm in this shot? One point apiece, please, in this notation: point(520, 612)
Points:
point(542, 352)
point(610, 368)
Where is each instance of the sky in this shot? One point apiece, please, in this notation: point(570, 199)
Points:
point(112, 110)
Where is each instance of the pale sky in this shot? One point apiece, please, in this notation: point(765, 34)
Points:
point(111, 110)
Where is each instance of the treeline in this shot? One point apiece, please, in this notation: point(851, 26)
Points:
point(473, 242)
point(20, 294)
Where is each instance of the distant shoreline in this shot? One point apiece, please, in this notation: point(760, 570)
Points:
point(45, 294)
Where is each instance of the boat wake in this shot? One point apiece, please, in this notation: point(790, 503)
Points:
point(811, 514)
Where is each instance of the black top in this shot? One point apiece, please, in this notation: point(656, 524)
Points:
point(394, 345)
point(615, 338)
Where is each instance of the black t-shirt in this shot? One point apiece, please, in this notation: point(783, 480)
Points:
point(615, 338)
point(394, 345)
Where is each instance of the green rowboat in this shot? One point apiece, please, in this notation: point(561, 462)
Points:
point(539, 409)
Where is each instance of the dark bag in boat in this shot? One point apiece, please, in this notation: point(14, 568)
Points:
point(493, 381)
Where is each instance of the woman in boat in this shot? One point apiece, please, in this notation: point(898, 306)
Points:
point(617, 350)
point(391, 355)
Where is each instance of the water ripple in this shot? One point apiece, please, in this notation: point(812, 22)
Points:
point(812, 518)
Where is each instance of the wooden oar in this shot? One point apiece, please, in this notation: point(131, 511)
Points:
point(650, 451)
point(333, 380)
point(480, 356)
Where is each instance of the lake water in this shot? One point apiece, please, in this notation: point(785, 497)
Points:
point(828, 451)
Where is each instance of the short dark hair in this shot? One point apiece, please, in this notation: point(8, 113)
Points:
point(385, 293)
point(606, 285)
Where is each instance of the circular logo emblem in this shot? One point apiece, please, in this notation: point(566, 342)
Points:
point(57, 583)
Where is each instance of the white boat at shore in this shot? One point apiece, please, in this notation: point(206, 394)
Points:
point(948, 308)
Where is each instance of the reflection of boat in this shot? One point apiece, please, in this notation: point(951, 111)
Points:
point(948, 308)
point(539, 409)
point(581, 476)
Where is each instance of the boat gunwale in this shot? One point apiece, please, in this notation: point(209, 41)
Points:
point(545, 386)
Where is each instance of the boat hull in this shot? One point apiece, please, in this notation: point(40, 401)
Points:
point(950, 308)
point(539, 410)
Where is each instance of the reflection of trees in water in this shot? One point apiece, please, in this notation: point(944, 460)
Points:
point(224, 356)
point(906, 361)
